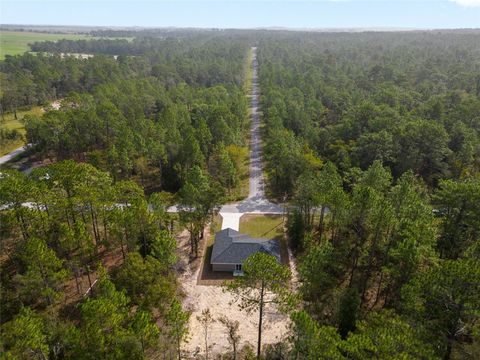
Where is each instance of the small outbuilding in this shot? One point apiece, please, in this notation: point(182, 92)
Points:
point(231, 248)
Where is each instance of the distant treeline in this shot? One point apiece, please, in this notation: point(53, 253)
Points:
point(143, 42)
point(100, 46)
point(173, 32)
point(32, 80)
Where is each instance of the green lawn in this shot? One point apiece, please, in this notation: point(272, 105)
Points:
point(262, 226)
point(16, 42)
point(266, 227)
point(9, 122)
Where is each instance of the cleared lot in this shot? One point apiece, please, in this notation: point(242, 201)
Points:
point(200, 297)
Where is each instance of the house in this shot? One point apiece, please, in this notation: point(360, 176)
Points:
point(231, 248)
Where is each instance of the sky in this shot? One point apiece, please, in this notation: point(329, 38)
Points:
point(420, 14)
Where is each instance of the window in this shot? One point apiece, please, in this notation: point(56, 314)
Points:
point(238, 267)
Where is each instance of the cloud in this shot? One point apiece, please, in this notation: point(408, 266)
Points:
point(469, 3)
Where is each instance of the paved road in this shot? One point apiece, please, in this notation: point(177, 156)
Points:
point(6, 158)
point(256, 167)
point(256, 201)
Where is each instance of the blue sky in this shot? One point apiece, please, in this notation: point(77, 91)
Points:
point(246, 13)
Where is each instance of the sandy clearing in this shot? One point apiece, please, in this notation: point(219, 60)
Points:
point(200, 297)
point(56, 104)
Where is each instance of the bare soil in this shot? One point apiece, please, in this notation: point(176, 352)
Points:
point(201, 291)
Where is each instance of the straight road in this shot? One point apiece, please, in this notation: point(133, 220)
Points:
point(256, 201)
point(256, 165)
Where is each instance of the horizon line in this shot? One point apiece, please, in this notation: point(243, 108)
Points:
point(275, 28)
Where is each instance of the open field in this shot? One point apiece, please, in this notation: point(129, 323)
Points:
point(16, 42)
point(10, 123)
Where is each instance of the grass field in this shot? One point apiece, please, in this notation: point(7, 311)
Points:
point(16, 42)
point(262, 226)
point(9, 122)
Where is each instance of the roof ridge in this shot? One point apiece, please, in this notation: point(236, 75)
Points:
point(218, 255)
point(230, 239)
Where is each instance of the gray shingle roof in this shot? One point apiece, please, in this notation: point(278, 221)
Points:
point(232, 247)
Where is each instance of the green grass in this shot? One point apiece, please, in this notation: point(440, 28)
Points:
point(244, 169)
point(266, 227)
point(16, 42)
point(262, 226)
point(241, 158)
point(9, 122)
